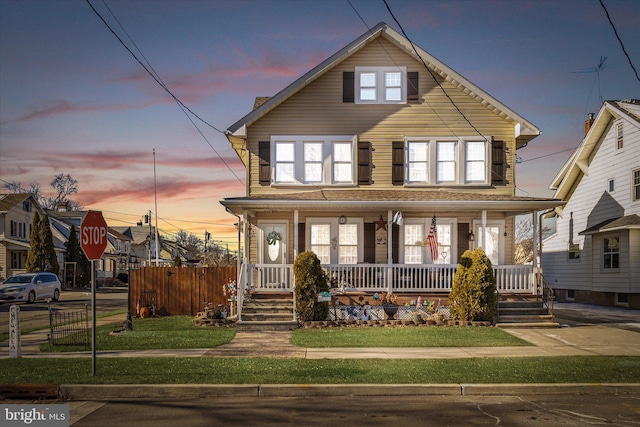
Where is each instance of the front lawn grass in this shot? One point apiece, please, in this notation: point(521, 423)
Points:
point(172, 332)
point(205, 370)
point(445, 336)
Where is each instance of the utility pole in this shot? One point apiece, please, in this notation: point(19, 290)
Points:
point(207, 236)
point(155, 197)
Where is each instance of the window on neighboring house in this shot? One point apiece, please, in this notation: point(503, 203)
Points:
point(17, 260)
point(321, 242)
point(611, 252)
point(380, 85)
point(26, 206)
point(611, 185)
point(574, 251)
point(314, 159)
point(619, 136)
point(636, 185)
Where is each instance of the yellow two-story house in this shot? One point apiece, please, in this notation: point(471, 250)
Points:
point(388, 165)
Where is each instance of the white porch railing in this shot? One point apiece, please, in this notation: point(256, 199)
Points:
point(389, 278)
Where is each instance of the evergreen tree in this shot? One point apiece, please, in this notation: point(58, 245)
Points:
point(76, 254)
point(49, 259)
point(473, 293)
point(35, 246)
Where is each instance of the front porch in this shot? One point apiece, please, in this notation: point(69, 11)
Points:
point(392, 278)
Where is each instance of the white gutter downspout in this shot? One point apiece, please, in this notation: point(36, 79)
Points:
point(240, 263)
point(389, 251)
point(535, 253)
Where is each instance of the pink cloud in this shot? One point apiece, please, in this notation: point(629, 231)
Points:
point(67, 107)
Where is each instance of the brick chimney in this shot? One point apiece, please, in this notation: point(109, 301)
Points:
point(588, 123)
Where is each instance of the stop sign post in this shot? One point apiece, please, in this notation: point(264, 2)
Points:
point(93, 241)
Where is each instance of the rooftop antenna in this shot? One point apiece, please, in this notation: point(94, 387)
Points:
point(596, 70)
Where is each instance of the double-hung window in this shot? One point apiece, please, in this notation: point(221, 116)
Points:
point(381, 85)
point(456, 161)
point(415, 242)
point(285, 162)
point(314, 160)
point(321, 242)
point(446, 161)
point(418, 162)
point(619, 136)
point(476, 158)
point(636, 185)
point(611, 253)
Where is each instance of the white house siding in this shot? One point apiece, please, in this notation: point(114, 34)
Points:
point(591, 203)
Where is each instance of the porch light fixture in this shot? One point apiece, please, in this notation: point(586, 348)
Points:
point(472, 237)
point(397, 218)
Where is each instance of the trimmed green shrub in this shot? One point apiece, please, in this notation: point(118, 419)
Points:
point(310, 280)
point(473, 294)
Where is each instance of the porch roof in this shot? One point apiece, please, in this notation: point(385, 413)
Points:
point(406, 200)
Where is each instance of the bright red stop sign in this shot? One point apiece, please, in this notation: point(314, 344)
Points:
point(93, 235)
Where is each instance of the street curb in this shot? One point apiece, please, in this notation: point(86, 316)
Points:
point(183, 391)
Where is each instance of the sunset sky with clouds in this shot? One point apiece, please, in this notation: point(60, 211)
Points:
point(73, 100)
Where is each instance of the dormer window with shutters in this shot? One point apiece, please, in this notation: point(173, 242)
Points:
point(380, 85)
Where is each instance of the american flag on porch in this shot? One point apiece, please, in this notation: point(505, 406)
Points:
point(433, 239)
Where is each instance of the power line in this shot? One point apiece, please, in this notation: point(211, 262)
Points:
point(619, 40)
point(435, 112)
point(158, 80)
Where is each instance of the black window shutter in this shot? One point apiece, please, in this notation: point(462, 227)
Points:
point(301, 237)
point(498, 167)
point(397, 163)
point(348, 86)
point(264, 153)
point(370, 242)
point(365, 166)
point(412, 88)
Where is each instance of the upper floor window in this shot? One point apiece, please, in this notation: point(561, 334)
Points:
point(314, 160)
point(456, 161)
point(381, 85)
point(619, 136)
point(26, 206)
point(636, 185)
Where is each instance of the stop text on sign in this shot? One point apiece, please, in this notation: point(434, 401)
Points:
point(93, 235)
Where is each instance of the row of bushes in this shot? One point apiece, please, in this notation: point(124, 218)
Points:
point(472, 298)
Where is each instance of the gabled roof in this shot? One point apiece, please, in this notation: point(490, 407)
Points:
point(525, 131)
point(578, 164)
point(9, 201)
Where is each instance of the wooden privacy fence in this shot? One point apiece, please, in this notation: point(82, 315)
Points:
point(177, 290)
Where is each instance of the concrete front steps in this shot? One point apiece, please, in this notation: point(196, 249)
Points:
point(524, 312)
point(267, 312)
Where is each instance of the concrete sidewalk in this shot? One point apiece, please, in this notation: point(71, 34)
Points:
point(591, 330)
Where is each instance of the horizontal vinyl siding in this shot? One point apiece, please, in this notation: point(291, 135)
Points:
point(591, 204)
point(634, 260)
point(318, 110)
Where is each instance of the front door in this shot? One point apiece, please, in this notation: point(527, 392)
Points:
point(273, 243)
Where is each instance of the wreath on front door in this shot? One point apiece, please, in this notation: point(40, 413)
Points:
point(273, 237)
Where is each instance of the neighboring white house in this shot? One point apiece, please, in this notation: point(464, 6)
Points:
point(594, 256)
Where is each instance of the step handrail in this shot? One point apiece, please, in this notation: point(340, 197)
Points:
point(548, 294)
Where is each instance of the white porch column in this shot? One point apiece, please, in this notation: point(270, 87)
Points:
point(535, 266)
point(295, 234)
point(389, 250)
point(483, 233)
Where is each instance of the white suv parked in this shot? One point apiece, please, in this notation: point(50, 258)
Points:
point(30, 287)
